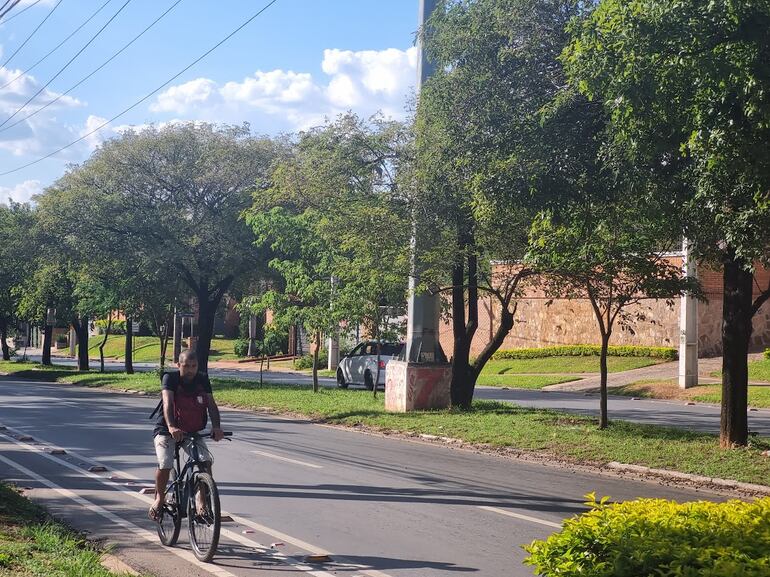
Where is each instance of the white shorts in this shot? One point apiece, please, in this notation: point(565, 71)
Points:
point(165, 446)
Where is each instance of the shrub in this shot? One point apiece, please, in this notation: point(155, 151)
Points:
point(665, 353)
point(660, 538)
point(767, 353)
point(241, 347)
point(306, 361)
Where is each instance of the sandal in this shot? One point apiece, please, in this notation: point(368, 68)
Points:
point(154, 514)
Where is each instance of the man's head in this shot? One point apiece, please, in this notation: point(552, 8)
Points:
point(188, 364)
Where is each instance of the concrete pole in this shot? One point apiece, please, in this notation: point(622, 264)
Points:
point(333, 342)
point(73, 339)
point(177, 336)
point(252, 352)
point(422, 332)
point(688, 326)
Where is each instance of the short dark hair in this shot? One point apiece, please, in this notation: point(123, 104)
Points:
point(188, 354)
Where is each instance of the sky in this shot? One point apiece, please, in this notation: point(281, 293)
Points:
point(298, 63)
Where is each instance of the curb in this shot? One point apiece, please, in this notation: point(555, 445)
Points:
point(700, 479)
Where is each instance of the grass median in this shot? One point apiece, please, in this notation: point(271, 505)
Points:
point(558, 434)
point(32, 544)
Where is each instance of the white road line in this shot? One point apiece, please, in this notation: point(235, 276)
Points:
point(291, 561)
point(279, 458)
point(143, 533)
point(522, 517)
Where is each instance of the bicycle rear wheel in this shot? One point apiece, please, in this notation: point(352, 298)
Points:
point(204, 522)
point(169, 520)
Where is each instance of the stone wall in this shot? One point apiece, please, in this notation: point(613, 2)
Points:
point(543, 322)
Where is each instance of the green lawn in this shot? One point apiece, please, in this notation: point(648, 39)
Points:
point(522, 381)
point(565, 365)
point(758, 371)
point(32, 545)
point(759, 395)
point(563, 435)
point(147, 349)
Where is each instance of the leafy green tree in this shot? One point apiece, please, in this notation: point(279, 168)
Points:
point(172, 198)
point(687, 87)
point(17, 252)
point(615, 255)
point(484, 164)
point(48, 287)
point(336, 221)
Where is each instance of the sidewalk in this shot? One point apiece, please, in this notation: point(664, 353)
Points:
point(660, 372)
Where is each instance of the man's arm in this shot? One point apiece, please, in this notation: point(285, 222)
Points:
point(216, 429)
point(168, 412)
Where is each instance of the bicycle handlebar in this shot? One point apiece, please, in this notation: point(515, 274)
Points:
point(206, 433)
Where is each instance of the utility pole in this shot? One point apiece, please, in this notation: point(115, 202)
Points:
point(688, 326)
point(422, 379)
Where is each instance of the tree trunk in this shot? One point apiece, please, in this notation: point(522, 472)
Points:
point(603, 416)
point(736, 335)
point(81, 331)
point(104, 342)
point(317, 349)
point(506, 324)
point(463, 375)
point(4, 340)
point(47, 341)
point(206, 312)
point(164, 345)
point(128, 352)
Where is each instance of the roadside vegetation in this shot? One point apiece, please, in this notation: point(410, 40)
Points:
point(556, 434)
point(31, 543)
point(147, 349)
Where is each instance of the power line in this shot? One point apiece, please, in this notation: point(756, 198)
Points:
point(20, 12)
point(4, 10)
point(31, 33)
point(59, 45)
point(138, 102)
point(94, 71)
point(71, 60)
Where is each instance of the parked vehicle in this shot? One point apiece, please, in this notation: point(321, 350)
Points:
point(359, 366)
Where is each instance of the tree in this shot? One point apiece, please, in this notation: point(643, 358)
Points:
point(613, 254)
point(16, 259)
point(335, 220)
point(172, 198)
point(48, 287)
point(686, 85)
point(484, 168)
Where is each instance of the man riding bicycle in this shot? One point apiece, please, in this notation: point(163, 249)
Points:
point(187, 403)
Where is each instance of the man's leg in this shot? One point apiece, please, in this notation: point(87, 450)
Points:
point(164, 450)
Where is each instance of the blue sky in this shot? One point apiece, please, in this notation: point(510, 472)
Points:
point(301, 61)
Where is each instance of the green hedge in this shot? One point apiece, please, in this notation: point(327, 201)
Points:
point(665, 353)
point(655, 537)
point(767, 353)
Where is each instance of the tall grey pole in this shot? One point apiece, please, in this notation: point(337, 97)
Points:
point(688, 325)
point(422, 335)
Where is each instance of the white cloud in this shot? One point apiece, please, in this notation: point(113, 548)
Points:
point(366, 82)
point(22, 192)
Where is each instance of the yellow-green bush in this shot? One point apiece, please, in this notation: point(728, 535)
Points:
point(665, 353)
point(655, 537)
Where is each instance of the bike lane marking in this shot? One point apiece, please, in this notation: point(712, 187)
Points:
point(287, 459)
point(520, 516)
point(112, 517)
point(289, 560)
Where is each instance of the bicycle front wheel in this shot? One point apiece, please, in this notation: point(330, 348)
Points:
point(170, 519)
point(204, 517)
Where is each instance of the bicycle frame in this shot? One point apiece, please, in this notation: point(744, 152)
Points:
point(185, 476)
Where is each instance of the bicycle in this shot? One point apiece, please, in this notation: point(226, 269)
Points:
point(182, 500)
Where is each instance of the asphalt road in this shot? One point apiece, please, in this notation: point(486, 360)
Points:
point(698, 417)
point(379, 506)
